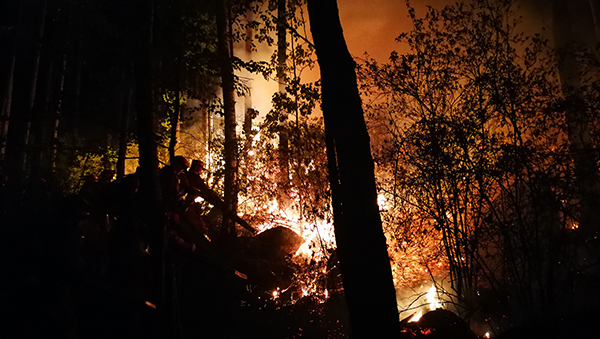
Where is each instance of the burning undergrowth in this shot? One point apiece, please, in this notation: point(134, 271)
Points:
point(310, 260)
point(306, 299)
point(416, 257)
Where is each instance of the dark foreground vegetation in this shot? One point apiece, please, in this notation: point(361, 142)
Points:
point(79, 267)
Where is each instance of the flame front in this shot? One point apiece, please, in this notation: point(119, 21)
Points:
point(416, 317)
point(434, 304)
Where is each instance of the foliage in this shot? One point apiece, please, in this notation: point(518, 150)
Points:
point(90, 163)
point(471, 144)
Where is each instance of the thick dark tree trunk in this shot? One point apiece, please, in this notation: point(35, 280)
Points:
point(227, 83)
point(362, 251)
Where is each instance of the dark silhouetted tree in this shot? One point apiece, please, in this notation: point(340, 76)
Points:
point(362, 251)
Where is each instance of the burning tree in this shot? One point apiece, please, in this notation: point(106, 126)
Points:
point(474, 148)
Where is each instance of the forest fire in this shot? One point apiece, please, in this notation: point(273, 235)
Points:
point(310, 260)
point(411, 263)
point(173, 161)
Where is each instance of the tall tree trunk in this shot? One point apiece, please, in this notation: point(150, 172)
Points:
point(39, 137)
point(30, 32)
point(283, 182)
point(174, 119)
point(124, 125)
point(175, 111)
point(249, 111)
point(227, 83)
point(362, 250)
point(595, 6)
point(149, 178)
point(49, 158)
point(6, 104)
point(40, 114)
point(7, 67)
point(573, 27)
point(69, 109)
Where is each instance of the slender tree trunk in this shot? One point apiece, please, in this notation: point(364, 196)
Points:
point(595, 6)
point(248, 108)
point(7, 103)
point(69, 112)
point(40, 114)
point(362, 250)
point(178, 65)
point(227, 83)
point(124, 126)
point(31, 28)
point(49, 158)
point(74, 91)
point(283, 182)
point(248, 98)
point(149, 178)
point(174, 121)
point(41, 118)
point(7, 68)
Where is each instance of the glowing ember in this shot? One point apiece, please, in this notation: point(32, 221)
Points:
point(416, 317)
point(572, 225)
point(486, 335)
point(198, 199)
point(241, 275)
